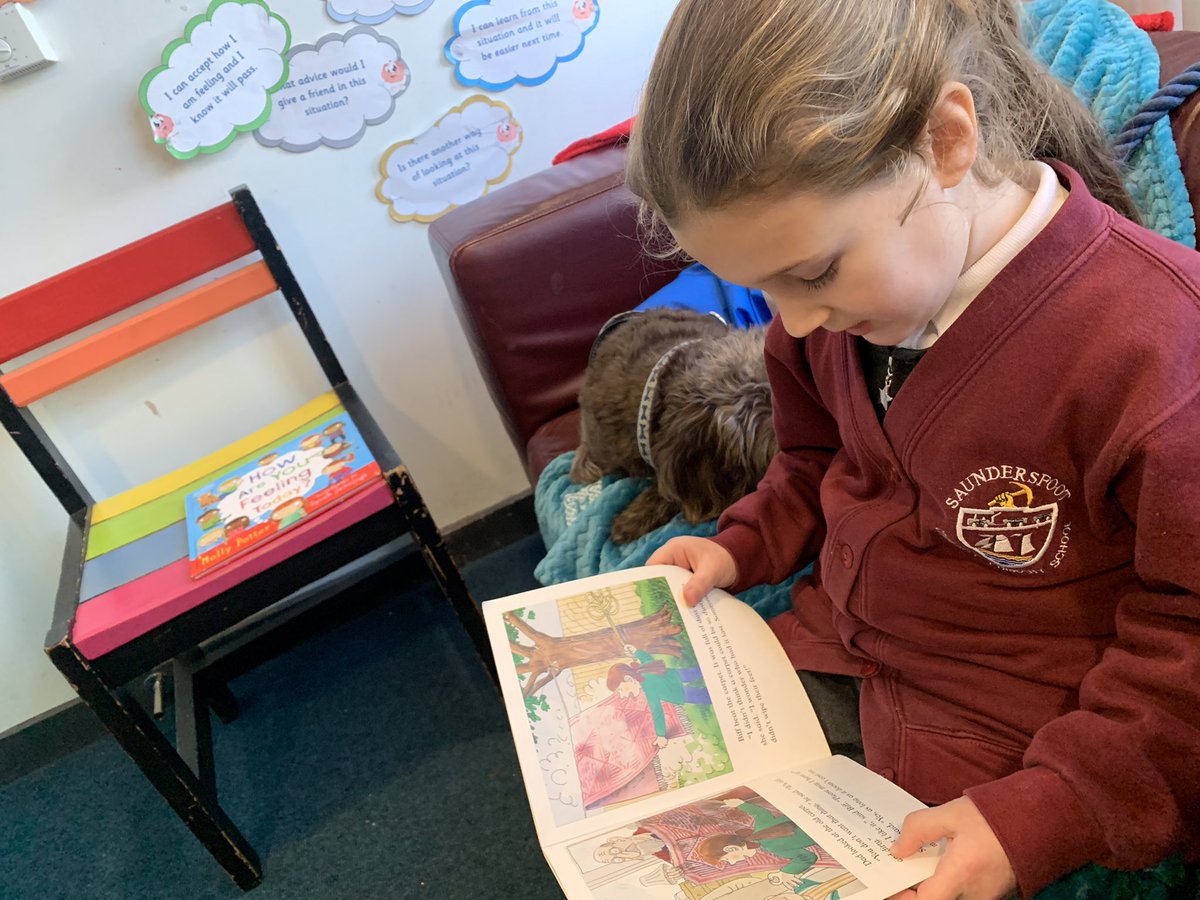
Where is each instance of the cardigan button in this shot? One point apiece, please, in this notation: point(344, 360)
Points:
point(847, 556)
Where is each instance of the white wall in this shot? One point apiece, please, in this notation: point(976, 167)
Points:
point(79, 175)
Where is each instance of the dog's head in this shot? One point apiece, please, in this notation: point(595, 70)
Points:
point(713, 436)
point(621, 361)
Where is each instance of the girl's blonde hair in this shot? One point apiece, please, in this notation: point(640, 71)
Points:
point(747, 96)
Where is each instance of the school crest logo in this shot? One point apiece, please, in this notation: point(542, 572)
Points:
point(1011, 531)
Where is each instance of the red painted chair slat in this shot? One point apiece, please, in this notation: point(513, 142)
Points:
point(55, 371)
point(71, 300)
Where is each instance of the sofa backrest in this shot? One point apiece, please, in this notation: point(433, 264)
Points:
point(534, 269)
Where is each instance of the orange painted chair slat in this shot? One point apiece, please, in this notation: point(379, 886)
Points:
point(88, 356)
point(108, 284)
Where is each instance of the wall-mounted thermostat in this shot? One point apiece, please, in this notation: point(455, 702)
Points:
point(23, 45)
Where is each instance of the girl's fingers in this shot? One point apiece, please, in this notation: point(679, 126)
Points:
point(921, 828)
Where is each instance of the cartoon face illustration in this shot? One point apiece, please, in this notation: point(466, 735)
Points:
point(208, 498)
point(268, 459)
point(336, 469)
point(334, 449)
point(228, 486)
point(629, 687)
point(394, 72)
point(162, 126)
point(241, 523)
point(210, 538)
point(208, 519)
point(312, 442)
point(287, 513)
point(508, 131)
point(583, 10)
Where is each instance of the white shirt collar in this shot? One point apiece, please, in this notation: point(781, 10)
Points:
point(1048, 198)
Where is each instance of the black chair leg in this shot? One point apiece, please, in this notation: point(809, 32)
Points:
point(182, 788)
point(221, 701)
point(441, 564)
point(193, 726)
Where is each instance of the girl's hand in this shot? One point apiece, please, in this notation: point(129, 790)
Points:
point(974, 866)
point(711, 565)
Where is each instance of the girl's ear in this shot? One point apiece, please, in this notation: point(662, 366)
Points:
point(953, 134)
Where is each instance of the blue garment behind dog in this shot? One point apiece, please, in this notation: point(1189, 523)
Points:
point(699, 289)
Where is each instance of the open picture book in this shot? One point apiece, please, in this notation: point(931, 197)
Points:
point(671, 752)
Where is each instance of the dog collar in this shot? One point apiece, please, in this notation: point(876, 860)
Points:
point(623, 317)
point(649, 394)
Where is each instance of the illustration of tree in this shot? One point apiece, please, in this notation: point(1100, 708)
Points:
point(541, 657)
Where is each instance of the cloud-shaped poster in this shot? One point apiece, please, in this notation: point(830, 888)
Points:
point(499, 43)
point(216, 81)
point(466, 151)
point(372, 12)
point(335, 89)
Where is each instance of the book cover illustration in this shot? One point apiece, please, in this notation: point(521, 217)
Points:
point(614, 697)
point(253, 503)
point(736, 845)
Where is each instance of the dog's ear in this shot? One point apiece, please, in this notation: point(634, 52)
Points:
point(647, 511)
point(583, 469)
point(715, 453)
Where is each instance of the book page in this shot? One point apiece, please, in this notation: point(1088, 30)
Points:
point(624, 701)
point(817, 831)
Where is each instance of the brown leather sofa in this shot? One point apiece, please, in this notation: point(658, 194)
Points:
point(536, 268)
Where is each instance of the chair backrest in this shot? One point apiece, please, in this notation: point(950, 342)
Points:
point(90, 292)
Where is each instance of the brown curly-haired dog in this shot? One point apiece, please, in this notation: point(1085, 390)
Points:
point(710, 434)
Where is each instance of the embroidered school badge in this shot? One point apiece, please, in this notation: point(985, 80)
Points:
point(1010, 531)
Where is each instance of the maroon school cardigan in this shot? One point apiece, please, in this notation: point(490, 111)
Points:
point(1011, 558)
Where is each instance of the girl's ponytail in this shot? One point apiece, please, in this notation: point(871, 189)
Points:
point(1051, 122)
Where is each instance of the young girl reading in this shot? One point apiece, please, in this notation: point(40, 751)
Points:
point(985, 379)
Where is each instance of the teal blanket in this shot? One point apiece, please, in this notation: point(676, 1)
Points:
point(575, 520)
point(1111, 65)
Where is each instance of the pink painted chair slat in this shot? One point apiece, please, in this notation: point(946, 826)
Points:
point(113, 618)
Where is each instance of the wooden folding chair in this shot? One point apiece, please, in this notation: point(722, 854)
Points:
point(126, 605)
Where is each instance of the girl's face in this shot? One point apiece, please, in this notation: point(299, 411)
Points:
point(846, 263)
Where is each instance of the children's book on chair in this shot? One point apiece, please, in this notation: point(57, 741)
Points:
point(281, 487)
point(670, 751)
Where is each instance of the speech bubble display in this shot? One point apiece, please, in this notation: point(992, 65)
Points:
point(216, 81)
point(466, 151)
point(499, 43)
point(335, 89)
point(372, 12)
